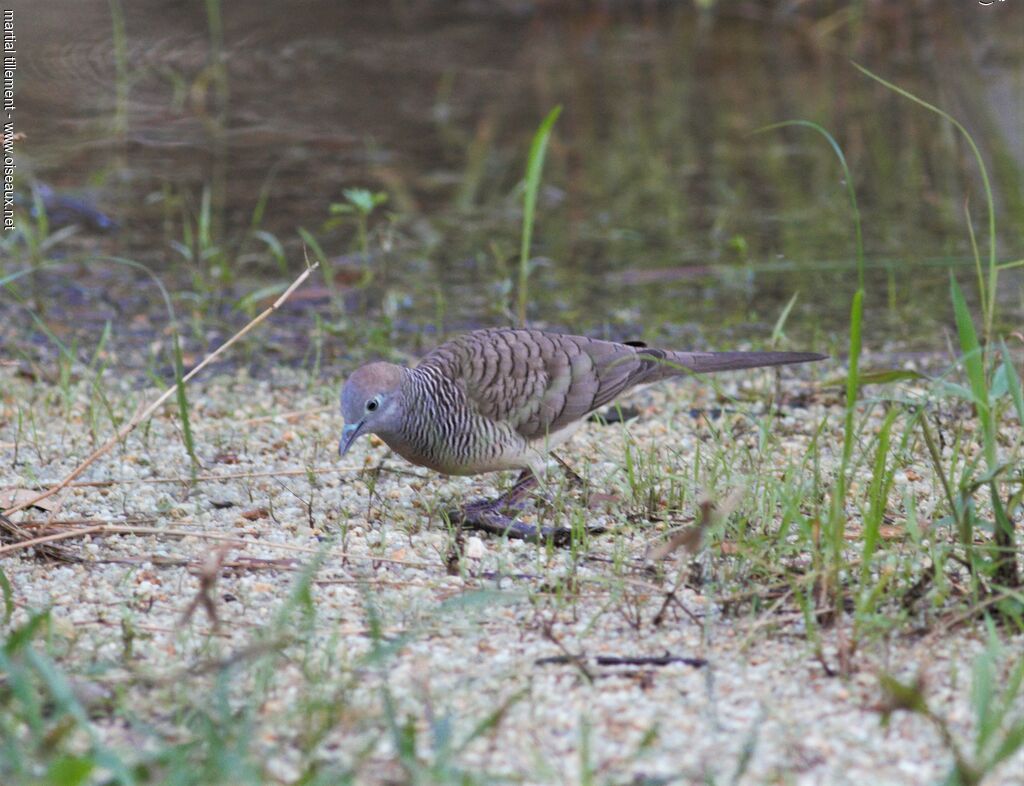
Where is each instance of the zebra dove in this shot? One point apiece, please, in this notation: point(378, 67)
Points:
point(501, 399)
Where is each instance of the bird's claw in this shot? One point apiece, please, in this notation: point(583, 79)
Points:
point(487, 516)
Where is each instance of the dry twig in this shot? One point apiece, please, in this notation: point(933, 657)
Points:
point(288, 415)
point(23, 539)
point(113, 529)
point(215, 477)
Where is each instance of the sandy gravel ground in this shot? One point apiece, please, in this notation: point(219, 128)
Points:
point(471, 629)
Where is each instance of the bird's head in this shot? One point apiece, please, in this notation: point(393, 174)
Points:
point(369, 402)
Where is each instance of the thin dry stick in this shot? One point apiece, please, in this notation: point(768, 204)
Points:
point(144, 414)
point(165, 561)
point(32, 525)
point(213, 478)
point(76, 533)
point(287, 415)
point(19, 533)
point(113, 529)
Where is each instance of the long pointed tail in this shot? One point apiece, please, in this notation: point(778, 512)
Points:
point(708, 362)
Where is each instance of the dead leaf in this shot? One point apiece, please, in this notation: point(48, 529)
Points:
point(691, 538)
point(688, 538)
point(255, 513)
point(9, 498)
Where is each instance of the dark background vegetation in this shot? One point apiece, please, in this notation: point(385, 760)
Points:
point(215, 134)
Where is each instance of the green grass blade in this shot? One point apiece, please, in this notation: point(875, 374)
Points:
point(780, 323)
point(837, 515)
point(274, 246)
point(534, 167)
point(974, 364)
point(889, 376)
point(857, 307)
point(850, 191)
point(983, 294)
point(853, 373)
point(183, 408)
point(248, 301)
point(5, 585)
point(881, 481)
point(1012, 742)
point(313, 243)
point(1013, 382)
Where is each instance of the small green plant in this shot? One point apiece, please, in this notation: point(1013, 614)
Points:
point(207, 254)
point(999, 720)
point(42, 719)
point(359, 203)
point(213, 257)
point(534, 168)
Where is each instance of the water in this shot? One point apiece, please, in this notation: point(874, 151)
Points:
point(662, 215)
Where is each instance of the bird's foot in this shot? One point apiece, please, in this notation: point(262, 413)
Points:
point(488, 516)
point(491, 516)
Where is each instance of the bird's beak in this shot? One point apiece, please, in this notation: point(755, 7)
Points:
point(348, 436)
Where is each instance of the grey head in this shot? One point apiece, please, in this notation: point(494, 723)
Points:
point(371, 402)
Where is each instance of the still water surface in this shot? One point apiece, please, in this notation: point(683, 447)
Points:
point(662, 214)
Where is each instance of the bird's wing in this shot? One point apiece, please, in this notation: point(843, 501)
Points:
point(538, 382)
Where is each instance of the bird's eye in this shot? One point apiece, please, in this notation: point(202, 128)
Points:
point(372, 404)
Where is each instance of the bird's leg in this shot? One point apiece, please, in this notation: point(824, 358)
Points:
point(489, 515)
point(575, 480)
point(570, 473)
point(525, 483)
point(513, 498)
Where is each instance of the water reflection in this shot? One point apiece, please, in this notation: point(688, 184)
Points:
point(661, 212)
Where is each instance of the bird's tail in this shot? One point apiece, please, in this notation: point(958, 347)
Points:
point(676, 363)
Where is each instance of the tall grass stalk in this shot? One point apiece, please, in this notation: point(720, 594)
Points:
point(838, 514)
point(534, 168)
point(988, 298)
